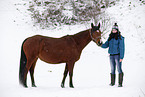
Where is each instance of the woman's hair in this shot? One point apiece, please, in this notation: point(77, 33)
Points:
point(115, 35)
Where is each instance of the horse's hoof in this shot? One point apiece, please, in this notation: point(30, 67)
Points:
point(25, 86)
point(34, 85)
point(62, 86)
point(71, 86)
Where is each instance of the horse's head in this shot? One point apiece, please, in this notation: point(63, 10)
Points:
point(96, 34)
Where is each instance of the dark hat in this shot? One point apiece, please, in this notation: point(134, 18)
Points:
point(115, 26)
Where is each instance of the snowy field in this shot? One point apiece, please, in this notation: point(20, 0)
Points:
point(91, 73)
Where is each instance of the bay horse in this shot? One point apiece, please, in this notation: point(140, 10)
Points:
point(66, 49)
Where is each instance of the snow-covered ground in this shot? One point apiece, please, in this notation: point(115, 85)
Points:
point(91, 72)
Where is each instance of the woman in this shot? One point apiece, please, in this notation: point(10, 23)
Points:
point(115, 43)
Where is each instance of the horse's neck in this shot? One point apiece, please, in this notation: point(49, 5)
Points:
point(82, 39)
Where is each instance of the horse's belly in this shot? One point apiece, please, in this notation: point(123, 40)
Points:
point(53, 57)
point(61, 56)
point(51, 61)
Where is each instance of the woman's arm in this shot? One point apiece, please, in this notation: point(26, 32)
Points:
point(121, 47)
point(105, 45)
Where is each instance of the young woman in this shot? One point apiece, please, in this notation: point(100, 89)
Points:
point(115, 43)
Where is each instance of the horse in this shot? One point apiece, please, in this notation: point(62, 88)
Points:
point(66, 49)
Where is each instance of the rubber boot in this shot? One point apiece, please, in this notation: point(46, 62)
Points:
point(112, 79)
point(120, 79)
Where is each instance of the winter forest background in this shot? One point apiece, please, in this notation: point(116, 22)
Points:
point(20, 19)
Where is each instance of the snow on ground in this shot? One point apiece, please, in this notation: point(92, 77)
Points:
point(91, 72)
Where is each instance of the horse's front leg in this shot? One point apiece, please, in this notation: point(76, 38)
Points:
point(71, 80)
point(65, 75)
point(70, 68)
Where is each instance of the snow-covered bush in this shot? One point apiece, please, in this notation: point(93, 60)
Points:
point(66, 12)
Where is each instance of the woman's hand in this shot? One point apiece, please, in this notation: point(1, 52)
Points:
point(121, 60)
point(100, 43)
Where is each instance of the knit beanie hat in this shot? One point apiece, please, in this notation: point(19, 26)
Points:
point(115, 26)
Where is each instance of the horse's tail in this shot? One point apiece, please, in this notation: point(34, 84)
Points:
point(23, 61)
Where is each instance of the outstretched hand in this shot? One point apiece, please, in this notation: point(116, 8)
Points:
point(99, 43)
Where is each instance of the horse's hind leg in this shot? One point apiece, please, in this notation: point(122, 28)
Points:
point(27, 68)
point(32, 73)
point(64, 76)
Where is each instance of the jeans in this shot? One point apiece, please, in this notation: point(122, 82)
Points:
point(114, 60)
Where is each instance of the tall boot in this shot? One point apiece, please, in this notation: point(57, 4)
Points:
point(120, 79)
point(112, 79)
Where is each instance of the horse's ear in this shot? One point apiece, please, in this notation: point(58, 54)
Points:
point(99, 25)
point(92, 25)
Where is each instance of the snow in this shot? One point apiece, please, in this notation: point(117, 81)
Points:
point(91, 72)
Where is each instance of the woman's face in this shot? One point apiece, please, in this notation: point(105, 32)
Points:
point(114, 30)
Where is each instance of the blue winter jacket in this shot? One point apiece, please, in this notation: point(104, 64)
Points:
point(115, 46)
